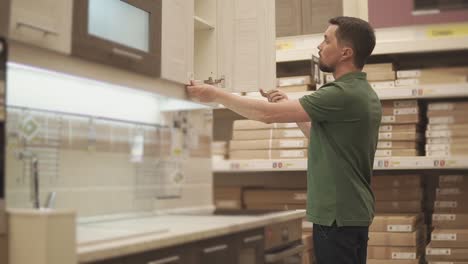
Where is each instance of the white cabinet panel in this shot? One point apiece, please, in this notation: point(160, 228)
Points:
point(177, 40)
point(45, 23)
point(246, 44)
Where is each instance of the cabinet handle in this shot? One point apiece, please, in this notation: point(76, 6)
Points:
point(37, 28)
point(215, 248)
point(165, 260)
point(253, 238)
point(127, 54)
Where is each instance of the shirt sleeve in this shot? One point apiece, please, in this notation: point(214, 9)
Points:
point(325, 104)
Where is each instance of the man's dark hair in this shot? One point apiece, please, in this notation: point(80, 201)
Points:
point(357, 33)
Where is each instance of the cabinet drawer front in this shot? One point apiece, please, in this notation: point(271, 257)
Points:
point(44, 23)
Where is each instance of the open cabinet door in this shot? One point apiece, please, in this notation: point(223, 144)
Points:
point(246, 44)
point(3, 227)
point(177, 48)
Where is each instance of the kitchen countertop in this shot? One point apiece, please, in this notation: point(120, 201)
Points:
point(105, 238)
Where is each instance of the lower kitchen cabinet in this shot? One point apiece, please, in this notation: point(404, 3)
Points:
point(250, 247)
point(241, 248)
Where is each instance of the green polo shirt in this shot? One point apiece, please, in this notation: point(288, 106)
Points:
point(345, 116)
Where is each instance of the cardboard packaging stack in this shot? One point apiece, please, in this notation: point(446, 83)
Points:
point(447, 131)
point(398, 194)
point(257, 140)
point(275, 199)
point(380, 75)
point(228, 198)
point(432, 76)
point(399, 133)
point(295, 84)
point(219, 150)
point(396, 239)
point(308, 254)
point(449, 239)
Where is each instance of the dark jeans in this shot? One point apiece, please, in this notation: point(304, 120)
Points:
point(340, 245)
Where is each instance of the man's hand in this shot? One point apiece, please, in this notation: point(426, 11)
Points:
point(274, 96)
point(202, 92)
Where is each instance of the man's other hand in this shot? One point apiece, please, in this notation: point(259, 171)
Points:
point(274, 96)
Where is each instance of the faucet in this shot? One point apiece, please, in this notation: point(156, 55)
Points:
point(25, 154)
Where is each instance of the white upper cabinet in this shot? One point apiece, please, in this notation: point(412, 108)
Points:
point(177, 40)
point(44, 23)
point(246, 44)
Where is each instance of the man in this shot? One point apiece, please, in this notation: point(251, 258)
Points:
point(341, 120)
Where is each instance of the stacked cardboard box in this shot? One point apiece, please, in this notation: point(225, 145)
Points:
point(380, 75)
point(396, 239)
point(308, 254)
point(449, 239)
point(447, 131)
point(257, 140)
point(219, 150)
point(398, 194)
point(275, 199)
point(399, 133)
point(295, 83)
point(228, 197)
point(432, 76)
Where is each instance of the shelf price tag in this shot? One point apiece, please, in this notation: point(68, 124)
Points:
point(417, 92)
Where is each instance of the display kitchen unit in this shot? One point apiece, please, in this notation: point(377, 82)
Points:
point(105, 160)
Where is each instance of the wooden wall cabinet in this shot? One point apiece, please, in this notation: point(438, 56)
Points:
point(43, 23)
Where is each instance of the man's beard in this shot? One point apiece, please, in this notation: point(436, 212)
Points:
point(325, 68)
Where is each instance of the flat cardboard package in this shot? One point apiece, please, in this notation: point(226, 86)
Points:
point(393, 261)
point(293, 80)
point(390, 253)
point(447, 133)
point(400, 111)
point(400, 103)
point(275, 196)
point(450, 221)
point(397, 152)
point(378, 76)
point(459, 194)
point(400, 119)
point(401, 239)
point(447, 127)
point(450, 207)
point(446, 147)
point(447, 106)
point(300, 143)
point(395, 223)
point(267, 134)
point(388, 181)
point(296, 88)
point(399, 194)
point(447, 141)
point(246, 124)
point(399, 207)
point(400, 136)
point(453, 181)
point(446, 253)
point(397, 145)
point(268, 154)
point(228, 197)
point(274, 207)
point(451, 238)
point(400, 128)
point(448, 119)
point(447, 153)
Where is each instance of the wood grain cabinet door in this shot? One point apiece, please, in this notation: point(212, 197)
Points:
point(288, 18)
point(246, 44)
point(44, 23)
